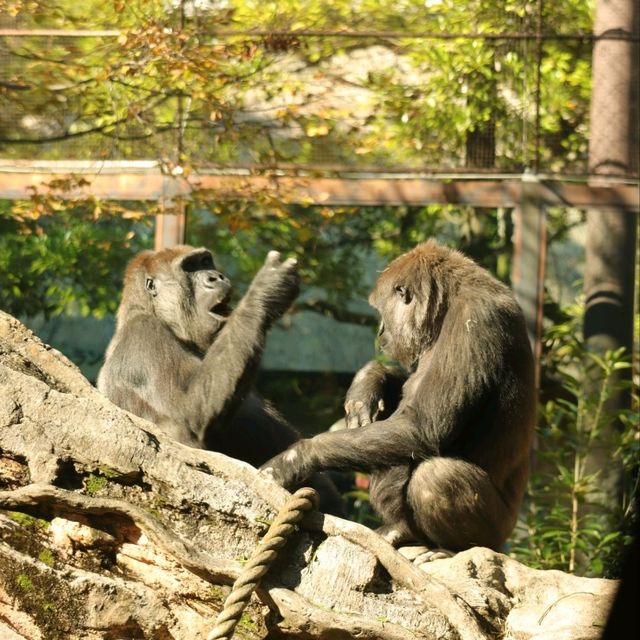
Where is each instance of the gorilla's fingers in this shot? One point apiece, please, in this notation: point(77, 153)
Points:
point(377, 409)
point(273, 259)
point(433, 554)
point(351, 414)
point(268, 472)
point(358, 419)
point(358, 414)
point(275, 472)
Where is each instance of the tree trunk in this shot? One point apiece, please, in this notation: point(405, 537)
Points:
point(108, 529)
point(611, 234)
point(614, 132)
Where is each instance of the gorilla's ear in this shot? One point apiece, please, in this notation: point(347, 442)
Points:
point(403, 293)
point(150, 285)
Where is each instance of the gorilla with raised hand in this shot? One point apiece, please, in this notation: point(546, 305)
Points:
point(450, 459)
point(183, 359)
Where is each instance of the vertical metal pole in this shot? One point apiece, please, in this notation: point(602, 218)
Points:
point(171, 222)
point(610, 254)
point(529, 263)
point(614, 82)
point(171, 227)
point(181, 115)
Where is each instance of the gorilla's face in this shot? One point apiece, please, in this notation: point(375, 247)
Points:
point(211, 289)
point(397, 307)
point(190, 295)
point(411, 296)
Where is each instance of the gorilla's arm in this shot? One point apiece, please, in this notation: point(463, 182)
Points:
point(392, 442)
point(237, 349)
point(375, 390)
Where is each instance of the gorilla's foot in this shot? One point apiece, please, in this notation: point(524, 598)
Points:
point(419, 554)
point(433, 554)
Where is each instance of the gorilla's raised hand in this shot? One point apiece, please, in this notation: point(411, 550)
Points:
point(276, 285)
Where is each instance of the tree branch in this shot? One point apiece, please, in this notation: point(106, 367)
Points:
point(45, 498)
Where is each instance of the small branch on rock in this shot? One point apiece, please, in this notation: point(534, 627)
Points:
point(428, 588)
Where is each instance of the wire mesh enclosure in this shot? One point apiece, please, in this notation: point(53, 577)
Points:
point(449, 88)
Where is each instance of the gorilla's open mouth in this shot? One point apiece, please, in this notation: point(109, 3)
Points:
point(221, 310)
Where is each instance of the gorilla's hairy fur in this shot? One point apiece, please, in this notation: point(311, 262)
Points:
point(449, 452)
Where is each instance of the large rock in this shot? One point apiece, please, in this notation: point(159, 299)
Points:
point(532, 604)
point(111, 530)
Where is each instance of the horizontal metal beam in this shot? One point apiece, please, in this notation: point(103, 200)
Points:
point(145, 181)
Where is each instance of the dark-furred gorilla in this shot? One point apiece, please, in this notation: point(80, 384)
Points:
point(450, 460)
point(182, 358)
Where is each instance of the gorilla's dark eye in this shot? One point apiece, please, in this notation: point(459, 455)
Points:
point(150, 285)
point(403, 293)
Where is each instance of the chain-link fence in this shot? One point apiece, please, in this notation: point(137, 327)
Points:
point(462, 100)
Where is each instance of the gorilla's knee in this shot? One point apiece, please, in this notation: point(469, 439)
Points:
point(454, 503)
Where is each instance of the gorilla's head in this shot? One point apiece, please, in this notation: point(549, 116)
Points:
point(412, 296)
point(181, 287)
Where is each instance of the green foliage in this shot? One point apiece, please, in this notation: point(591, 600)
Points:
point(46, 556)
point(25, 520)
point(358, 503)
point(341, 249)
point(312, 401)
point(170, 88)
point(566, 525)
point(247, 622)
point(63, 254)
point(94, 484)
point(24, 581)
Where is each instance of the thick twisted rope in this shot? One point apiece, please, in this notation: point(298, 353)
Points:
point(281, 528)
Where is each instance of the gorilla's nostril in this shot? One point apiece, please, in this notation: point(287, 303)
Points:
point(213, 277)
